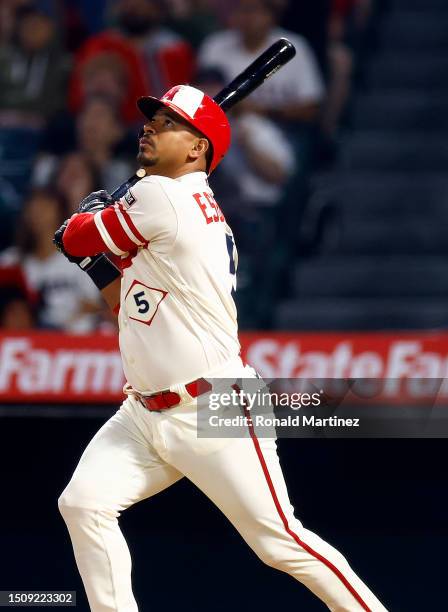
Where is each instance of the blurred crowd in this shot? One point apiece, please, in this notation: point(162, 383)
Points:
point(70, 72)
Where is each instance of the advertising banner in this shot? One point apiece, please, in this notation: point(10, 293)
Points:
point(43, 367)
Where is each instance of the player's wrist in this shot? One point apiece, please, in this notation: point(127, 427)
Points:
point(100, 269)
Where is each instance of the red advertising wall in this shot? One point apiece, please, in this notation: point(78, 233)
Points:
point(59, 368)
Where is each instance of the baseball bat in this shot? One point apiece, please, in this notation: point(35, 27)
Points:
point(266, 64)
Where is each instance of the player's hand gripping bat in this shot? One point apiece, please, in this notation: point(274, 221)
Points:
point(267, 64)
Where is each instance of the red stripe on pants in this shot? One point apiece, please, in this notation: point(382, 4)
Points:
point(281, 514)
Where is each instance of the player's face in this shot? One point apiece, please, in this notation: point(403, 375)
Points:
point(167, 144)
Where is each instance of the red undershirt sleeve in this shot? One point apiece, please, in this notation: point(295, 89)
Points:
point(145, 215)
point(111, 230)
point(82, 238)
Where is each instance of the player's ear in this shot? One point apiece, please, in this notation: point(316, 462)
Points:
point(199, 148)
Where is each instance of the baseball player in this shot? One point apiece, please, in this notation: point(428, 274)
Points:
point(178, 328)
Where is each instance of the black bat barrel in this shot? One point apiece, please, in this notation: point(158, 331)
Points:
point(271, 60)
point(276, 56)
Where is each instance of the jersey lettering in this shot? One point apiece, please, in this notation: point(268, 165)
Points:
point(213, 205)
point(210, 208)
point(203, 207)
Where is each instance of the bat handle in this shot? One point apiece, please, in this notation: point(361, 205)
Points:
point(121, 190)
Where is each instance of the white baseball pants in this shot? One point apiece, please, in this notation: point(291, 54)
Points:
point(138, 453)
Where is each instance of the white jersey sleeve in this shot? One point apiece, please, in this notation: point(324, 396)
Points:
point(143, 217)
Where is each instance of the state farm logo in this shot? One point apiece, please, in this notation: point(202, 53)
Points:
point(26, 370)
point(395, 361)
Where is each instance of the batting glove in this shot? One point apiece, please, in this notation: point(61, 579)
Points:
point(98, 200)
point(59, 244)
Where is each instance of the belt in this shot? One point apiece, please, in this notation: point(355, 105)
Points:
point(162, 400)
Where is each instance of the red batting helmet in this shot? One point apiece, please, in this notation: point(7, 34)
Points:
point(200, 111)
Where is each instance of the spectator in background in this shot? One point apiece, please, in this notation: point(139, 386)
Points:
point(155, 57)
point(16, 312)
point(17, 300)
point(7, 17)
point(106, 75)
point(309, 19)
point(192, 19)
point(82, 18)
point(224, 10)
point(102, 143)
point(67, 298)
point(33, 71)
point(291, 96)
point(103, 140)
point(74, 179)
point(340, 66)
point(261, 158)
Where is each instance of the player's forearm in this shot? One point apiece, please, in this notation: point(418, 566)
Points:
point(111, 229)
point(82, 238)
point(111, 295)
point(105, 276)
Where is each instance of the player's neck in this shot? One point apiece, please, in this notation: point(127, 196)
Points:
point(175, 173)
point(188, 171)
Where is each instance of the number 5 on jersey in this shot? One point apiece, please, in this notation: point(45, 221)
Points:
point(142, 302)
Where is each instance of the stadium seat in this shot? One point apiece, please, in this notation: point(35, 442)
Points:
point(373, 236)
point(390, 151)
point(366, 276)
point(420, 5)
point(384, 193)
point(324, 314)
point(400, 110)
point(402, 71)
point(410, 235)
point(414, 30)
point(368, 213)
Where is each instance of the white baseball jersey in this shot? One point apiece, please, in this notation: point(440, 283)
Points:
point(177, 315)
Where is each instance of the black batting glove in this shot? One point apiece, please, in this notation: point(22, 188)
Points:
point(59, 244)
point(97, 200)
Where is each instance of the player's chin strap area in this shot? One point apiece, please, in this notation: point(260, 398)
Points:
point(165, 399)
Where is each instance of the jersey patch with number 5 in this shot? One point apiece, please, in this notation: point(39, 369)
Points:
point(142, 302)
